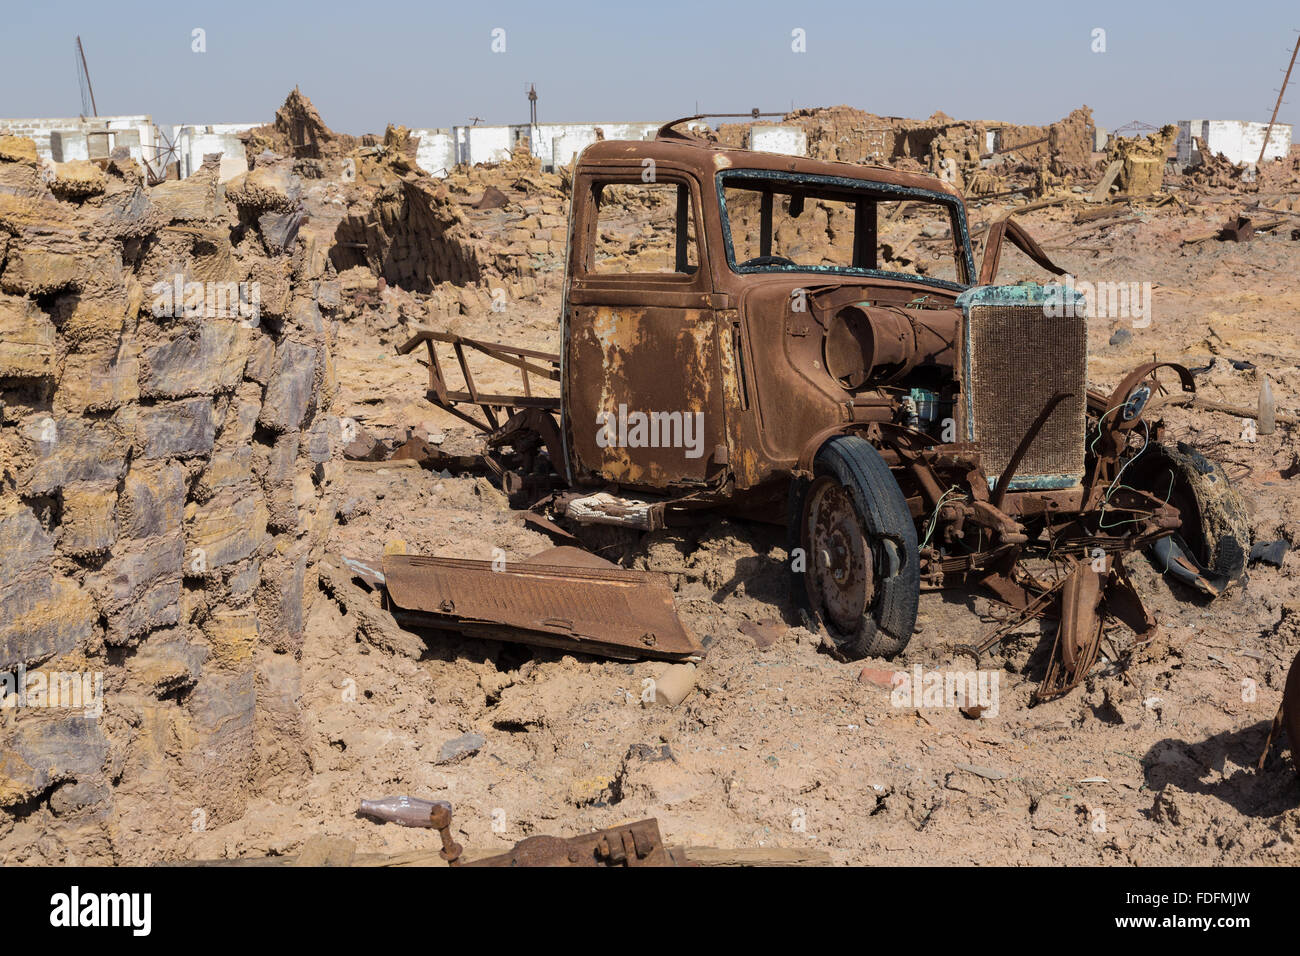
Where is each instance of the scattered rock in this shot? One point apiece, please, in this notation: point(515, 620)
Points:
point(878, 677)
point(764, 634)
point(461, 747)
point(674, 684)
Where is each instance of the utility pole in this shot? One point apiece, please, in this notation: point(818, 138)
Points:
point(85, 71)
point(532, 105)
point(1276, 106)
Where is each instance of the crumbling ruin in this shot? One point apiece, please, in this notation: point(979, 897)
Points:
point(167, 462)
point(298, 132)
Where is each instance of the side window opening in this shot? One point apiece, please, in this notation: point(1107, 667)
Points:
point(644, 228)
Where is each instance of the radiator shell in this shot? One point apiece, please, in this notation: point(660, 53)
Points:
point(1020, 345)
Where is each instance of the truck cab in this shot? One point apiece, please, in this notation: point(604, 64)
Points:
point(727, 331)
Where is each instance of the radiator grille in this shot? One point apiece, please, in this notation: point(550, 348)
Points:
point(1017, 358)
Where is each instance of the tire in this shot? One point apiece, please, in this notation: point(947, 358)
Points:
point(853, 525)
point(1216, 524)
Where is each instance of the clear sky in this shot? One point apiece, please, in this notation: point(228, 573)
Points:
point(366, 63)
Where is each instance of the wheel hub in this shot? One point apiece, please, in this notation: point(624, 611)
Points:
point(842, 572)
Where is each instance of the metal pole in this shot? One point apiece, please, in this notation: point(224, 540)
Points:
point(1276, 106)
point(86, 70)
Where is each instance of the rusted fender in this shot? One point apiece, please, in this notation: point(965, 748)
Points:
point(1130, 382)
point(1111, 425)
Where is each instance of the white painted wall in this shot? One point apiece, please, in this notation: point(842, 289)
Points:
point(436, 152)
point(482, 144)
point(1238, 140)
point(558, 144)
point(194, 142)
point(72, 142)
point(787, 140)
point(554, 144)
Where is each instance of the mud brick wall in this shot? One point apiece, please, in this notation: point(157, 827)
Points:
point(851, 135)
point(166, 487)
point(401, 224)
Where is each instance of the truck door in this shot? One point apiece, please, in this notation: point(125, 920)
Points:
point(641, 385)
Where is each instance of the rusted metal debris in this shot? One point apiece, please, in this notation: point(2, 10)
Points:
point(561, 598)
point(631, 844)
point(593, 849)
point(440, 820)
point(1240, 229)
point(433, 458)
point(1078, 638)
point(1287, 718)
point(1291, 710)
point(541, 364)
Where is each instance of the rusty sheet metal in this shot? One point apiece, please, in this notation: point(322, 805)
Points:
point(632, 844)
point(542, 523)
point(1291, 711)
point(643, 405)
point(1078, 640)
point(1010, 230)
point(1287, 717)
point(543, 365)
point(606, 611)
point(689, 153)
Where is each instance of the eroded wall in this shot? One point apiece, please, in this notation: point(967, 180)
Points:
point(166, 485)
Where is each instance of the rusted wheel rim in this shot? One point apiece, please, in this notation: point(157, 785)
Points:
point(841, 582)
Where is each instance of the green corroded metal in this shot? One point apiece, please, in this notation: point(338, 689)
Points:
point(1054, 298)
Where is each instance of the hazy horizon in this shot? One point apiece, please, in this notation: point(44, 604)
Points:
point(420, 66)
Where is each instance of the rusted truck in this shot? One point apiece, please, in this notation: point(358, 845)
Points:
point(751, 333)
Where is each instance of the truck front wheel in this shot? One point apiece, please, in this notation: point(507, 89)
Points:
point(856, 550)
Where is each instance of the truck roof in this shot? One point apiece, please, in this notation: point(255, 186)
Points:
point(706, 159)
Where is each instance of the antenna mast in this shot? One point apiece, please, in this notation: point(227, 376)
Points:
point(1280, 93)
point(83, 75)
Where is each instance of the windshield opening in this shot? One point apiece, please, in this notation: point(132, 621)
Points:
point(785, 223)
